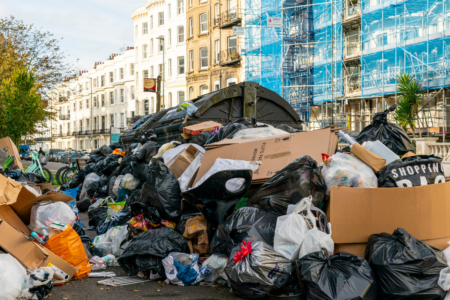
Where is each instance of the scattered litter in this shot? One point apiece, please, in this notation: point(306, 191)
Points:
point(102, 274)
point(121, 281)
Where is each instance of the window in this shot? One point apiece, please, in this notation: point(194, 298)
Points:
point(169, 35)
point(145, 28)
point(95, 102)
point(232, 47)
point(191, 60)
point(170, 100)
point(136, 54)
point(111, 118)
point(231, 81)
point(144, 51)
point(180, 7)
point(203, 23)
point(204, 58)
point(122, 75)
point(102, 80)
point(122, 120)
point(111, 98)
point(217, 49)
point(87, 103)
point(169, 13)
point(161, 18)
point(191, 93)
point(137, 78)
point(151, 47)
point(146, 106)
point(180, 34)
point(131, 69)
point(203, 90)
point(122, 95)
point(161, 44)
point(81, 125)
point(81, 105)
point(161, 70)
point(217, 85)
point(86, 84)
point(132, 92)
point(151, 22)
point(74, 107)
point(180, 97)
point(202, 1)
point(180, 65)
point(95, 82)
point(103, 100)
point(111, 77)
point(216, 14)
point(191, 27)
point(190, 3)
point(136, 31)
point(151, 72)
point(169, 68)
point(145, 74)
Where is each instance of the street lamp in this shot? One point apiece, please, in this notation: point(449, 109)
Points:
point(164, 69)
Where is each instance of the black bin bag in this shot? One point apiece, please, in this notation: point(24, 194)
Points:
point(147, 250)
point(405, 267)
point(261, 272)
point(412, 171)
point(300, 179)
point(246, 222)
point(390, 134)
point(342, 276)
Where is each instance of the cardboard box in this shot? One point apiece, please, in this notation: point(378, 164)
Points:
point(7, 144)
point(183, 160)
point(359, 249)
point(21, 200)
point(275, 152)
point(356, 213)
point(375, 162)
point(62, 269)
point(196, 129)
point(7, 214)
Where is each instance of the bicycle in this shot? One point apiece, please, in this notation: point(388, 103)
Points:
point(36, 167)
point(66, 173)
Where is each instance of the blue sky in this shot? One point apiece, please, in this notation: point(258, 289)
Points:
point(91, 29)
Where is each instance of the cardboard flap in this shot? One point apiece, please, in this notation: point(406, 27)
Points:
point(9, 190)
point(356, 213)
point(375, 162)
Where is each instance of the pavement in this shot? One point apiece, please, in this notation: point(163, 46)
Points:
point(52, 166)
point(88, 289)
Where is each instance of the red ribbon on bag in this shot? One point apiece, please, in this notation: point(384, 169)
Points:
point(246, 249)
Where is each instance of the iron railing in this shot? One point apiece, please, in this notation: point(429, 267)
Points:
point(230, 18)
point(230, 56)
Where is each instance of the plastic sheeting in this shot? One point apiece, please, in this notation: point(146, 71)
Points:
point(43, 213)
point(259, 133)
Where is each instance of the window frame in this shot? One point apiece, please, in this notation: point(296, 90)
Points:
point(121, 73)
point(191, 93)
point(111, 97)
point(160, 20)
point(203, 58)
point(179, 66)
point(203, 1)
point(111, 77)
point(217, 51)
point(169, 68)
point(122, 95)
point(136, 31)
point(169, 12)
point(179, 94)
point(191, 3)
point(131, 69)
point(151, 47)
point(180, 9)
point(151, 22)
point(191, 27)
point(169, 35)
point(144, 51)
point(201, 90)
point(204, 22)
point(161, 44)
point(191, 60)
point(180, 34)
point(102, 98)
point(144, 28)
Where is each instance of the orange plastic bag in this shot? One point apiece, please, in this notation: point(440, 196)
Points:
point(69, 247)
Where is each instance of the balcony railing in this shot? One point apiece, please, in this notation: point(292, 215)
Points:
point(64, 117)
point(230, 18)
point(63, 99)
point(353, 10)
point(352, 84)
point(230, 56)
point(105, 131)
point(352, 49)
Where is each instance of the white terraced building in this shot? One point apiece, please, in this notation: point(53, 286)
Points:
point(118, 99)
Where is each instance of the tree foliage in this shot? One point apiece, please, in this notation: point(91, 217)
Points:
point(408, 105)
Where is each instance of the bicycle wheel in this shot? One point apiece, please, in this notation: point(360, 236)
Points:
point(59, 175)
point(48, 175)
point(68, 175)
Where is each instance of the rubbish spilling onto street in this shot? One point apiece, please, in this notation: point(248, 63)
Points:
point(267, 212)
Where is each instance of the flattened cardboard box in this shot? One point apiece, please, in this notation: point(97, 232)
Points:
point(21, 200)
point(182, 161)
point(274, 153)
point(356, 213)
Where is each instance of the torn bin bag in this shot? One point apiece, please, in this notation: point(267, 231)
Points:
point(405, 267)
point(162, 190)
point(258, 273)
point(340, 276)
point(181, 268)
point(300, 179)
point(147, 250)
point(412, 171)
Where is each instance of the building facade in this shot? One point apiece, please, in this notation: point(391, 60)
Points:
point(213, 51)
point(89, 104)
point(160, 49)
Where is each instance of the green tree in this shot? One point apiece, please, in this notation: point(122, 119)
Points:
point(21, 107)
point(408, 106)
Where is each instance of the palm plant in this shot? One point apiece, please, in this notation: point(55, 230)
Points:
point(408, 105)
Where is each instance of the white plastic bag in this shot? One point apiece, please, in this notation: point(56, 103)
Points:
point(187, 175)
point(88, 180)
point(116, 185)
point(291, 229)
point(258, 133)
point(129, 182)
point(315, 240)
point(43, 213)
point(13, 277)
point(347, 169)
point(447, 253)
point(111, 240)
point(175, 265)
point(222, 164)
point(212, 269)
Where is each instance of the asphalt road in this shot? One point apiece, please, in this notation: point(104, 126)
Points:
point(52, 166)
point(88, 289)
